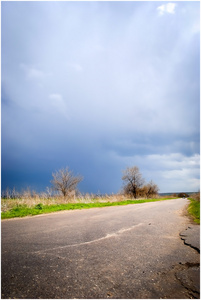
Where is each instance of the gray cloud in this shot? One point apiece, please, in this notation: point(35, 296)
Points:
point(98, 87)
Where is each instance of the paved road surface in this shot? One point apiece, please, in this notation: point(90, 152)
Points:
point(132, 251)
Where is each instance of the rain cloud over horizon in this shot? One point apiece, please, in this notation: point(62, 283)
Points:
point(98, 87)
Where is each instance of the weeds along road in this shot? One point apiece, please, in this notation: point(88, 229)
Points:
point(132, 251)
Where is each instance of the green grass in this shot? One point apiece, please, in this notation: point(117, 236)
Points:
point(194, 210)
point(23, 210)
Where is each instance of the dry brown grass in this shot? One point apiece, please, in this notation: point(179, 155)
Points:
point(31, 199)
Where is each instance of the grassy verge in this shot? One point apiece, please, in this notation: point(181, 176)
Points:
point(194, 210)
point(23, 210)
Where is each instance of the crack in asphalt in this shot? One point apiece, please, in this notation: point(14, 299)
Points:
point(109, 235)
point(191, 237)
point(190, 245)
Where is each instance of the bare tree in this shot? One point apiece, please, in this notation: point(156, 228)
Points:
point(132, 181)
point(151, 189)
point(64, 181)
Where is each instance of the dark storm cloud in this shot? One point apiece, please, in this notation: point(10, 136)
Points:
point(100, 86)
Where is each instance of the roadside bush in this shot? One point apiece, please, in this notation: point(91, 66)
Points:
point(39, 206)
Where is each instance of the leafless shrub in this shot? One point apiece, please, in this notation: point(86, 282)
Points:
point(149, 190)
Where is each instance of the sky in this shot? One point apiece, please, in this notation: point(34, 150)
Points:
point(99, 87)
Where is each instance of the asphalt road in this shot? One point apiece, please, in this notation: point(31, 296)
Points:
point(132, 251)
